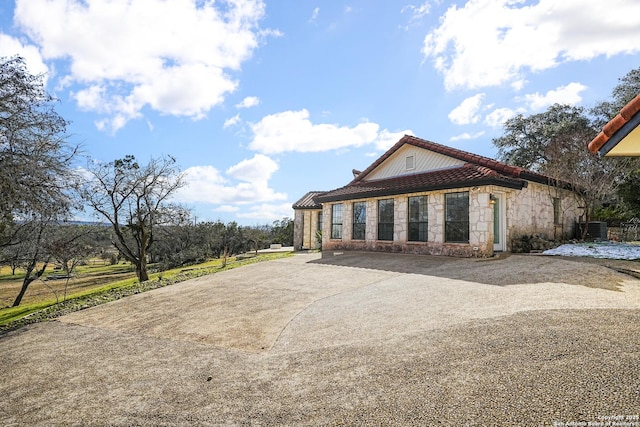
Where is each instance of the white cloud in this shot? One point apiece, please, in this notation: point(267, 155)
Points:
point(227, 209)
point(466, 136)
point(467, 112)
point(232, 121)
point(244, 183)
point(314, 15)
point(293, 131)
point(172, 56)
point(417, 12)
point(497, 117)
point(569, 94)
point(248, 102)
point(386, 139)
point(260, 168)
point(269, 212)
point(491, 42)
point(10, 47)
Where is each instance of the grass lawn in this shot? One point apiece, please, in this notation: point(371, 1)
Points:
point(93, 284)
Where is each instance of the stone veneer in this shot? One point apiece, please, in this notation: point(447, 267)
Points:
point(528, 211)
point(305, 225)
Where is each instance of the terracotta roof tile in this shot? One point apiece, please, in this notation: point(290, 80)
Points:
point(467, 175)
point(612, 127)
point(615, 124)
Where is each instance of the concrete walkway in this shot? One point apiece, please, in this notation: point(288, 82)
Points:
point(304, 341)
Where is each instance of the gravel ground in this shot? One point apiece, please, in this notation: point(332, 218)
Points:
point(299, 341)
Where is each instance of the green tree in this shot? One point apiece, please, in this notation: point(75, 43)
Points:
point(554, 143)
point(134, 199)
point(282, 232)
point(629, 193)
point(628, 87)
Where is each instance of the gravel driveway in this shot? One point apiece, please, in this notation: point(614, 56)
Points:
point(351, 339)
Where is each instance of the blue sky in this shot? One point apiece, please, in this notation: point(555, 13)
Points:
point(262, 101)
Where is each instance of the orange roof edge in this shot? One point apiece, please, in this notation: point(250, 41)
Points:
point(615, 124)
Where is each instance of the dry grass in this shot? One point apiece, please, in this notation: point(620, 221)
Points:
point(93, 275)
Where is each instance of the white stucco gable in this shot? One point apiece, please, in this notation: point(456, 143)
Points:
point(408, 160)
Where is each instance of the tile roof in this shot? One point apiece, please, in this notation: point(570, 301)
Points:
point(447, 151)
point(615, 125)
point(308, 201)
point(467, 175)
point(477, 170)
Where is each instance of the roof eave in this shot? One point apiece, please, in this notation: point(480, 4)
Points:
point(619, 135)
point(308, 208)
point(512, 184)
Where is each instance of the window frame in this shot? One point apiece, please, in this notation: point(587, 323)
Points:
point(336, 221)
point(454, 222)
point(386, 228)
point(421, 222)
point(410, 162)
point(359, 221)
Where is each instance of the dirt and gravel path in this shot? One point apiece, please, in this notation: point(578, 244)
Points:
point(343, 340)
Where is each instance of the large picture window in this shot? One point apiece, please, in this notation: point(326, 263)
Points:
point(456, 225)
point(417, 219)
point(385, 219)
point(359, 220)
point(336, 221)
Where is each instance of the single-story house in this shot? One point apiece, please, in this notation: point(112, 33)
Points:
point(621, 136)
point(426, 198)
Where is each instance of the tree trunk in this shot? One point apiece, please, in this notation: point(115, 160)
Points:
point(25, 284)
point(585, 230)
point(141, 266)
point(141, 272)
point(28, 279)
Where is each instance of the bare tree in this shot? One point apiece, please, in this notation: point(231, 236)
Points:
point(69, 247)
point(35, 158)
point(135, 200)
point(31, 252)
point(36, 179)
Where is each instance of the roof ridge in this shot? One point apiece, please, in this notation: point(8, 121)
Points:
point(468, 157)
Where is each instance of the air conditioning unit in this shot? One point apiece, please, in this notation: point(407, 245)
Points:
point(596, 230)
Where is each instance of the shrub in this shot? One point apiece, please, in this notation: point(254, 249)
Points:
point(529, 243)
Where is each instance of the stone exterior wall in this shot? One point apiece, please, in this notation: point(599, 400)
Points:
point(527, 211)
point(298, 224)
point(530, 212)
point(305, 225)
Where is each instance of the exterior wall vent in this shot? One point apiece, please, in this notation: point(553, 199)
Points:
point(410, 163)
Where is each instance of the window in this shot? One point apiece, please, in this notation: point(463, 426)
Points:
point(336, 221)
point(385, 219)
point(456, 221)
point(418, 219)
point(557, 211)
point(359, 220)
point(319, 221)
